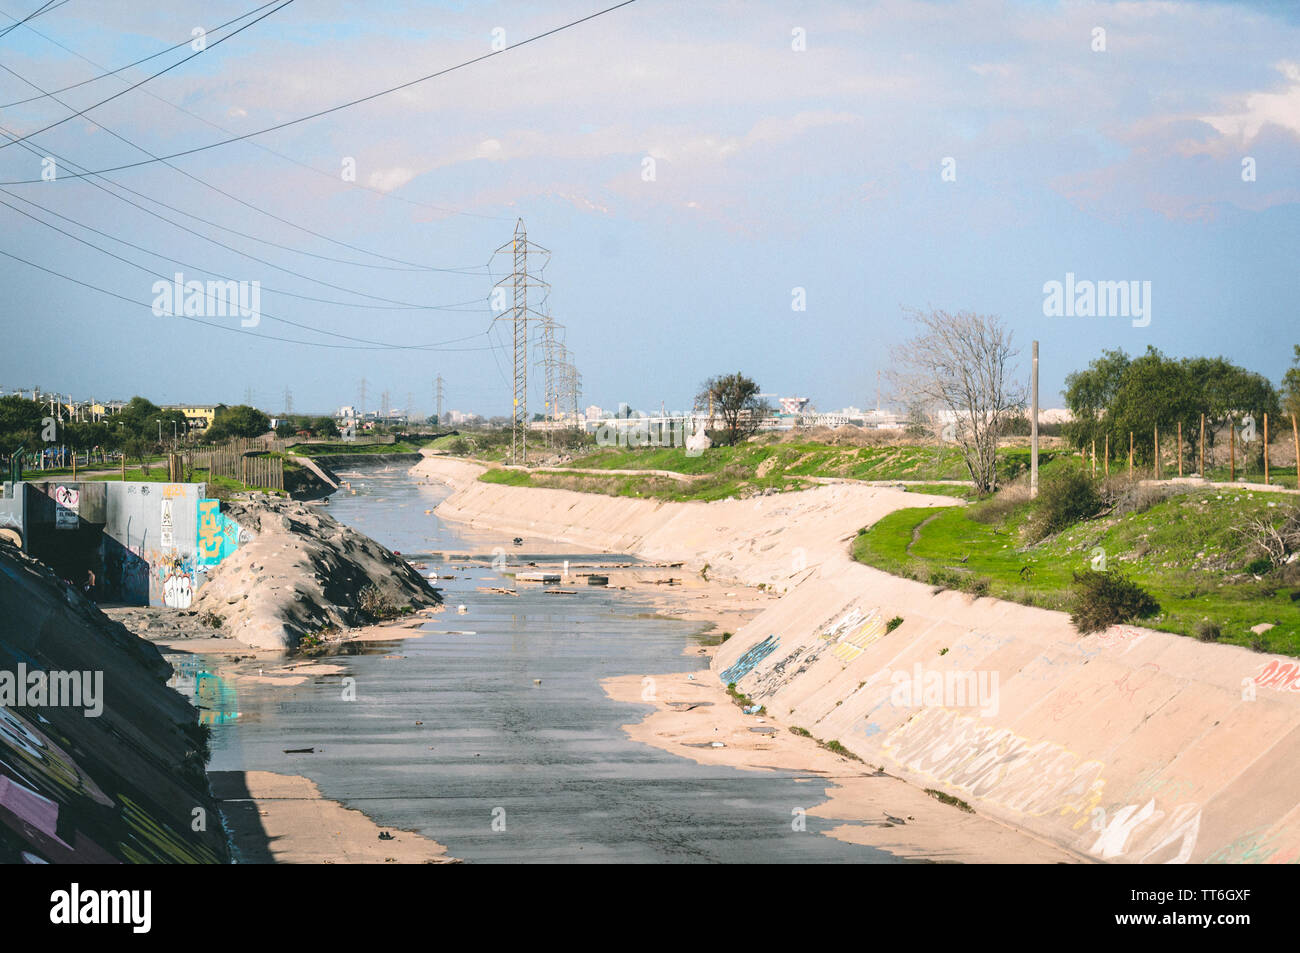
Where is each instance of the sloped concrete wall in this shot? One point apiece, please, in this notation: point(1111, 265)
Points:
point(1128, 745)
point(124, 785)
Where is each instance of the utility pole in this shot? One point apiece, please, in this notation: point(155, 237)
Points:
point(519, 281)
point(1033, 424)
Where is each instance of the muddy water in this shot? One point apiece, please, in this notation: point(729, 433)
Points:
point(451, 736)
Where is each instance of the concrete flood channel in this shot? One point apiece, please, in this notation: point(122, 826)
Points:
point(450, 732)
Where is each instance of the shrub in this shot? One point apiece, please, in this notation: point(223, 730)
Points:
point(1260, 566)
point(1103, 599)
point(893, 623)
point(1002, 504)
point(374, 604)
point(1066, 499)
point(1207, 631)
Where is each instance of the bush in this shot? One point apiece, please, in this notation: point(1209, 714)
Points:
point(1065, 500)
point(1103, 599)
point(1207, 631)
point(374, 604)
point(893, 623)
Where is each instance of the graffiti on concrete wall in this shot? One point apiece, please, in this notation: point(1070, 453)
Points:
point(745, 664)
point(1279, 675)
point(219, 535)
point(1041, 778)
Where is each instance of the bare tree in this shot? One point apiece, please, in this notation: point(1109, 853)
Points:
point(960, 364)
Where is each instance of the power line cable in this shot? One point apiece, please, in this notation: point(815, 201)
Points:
point(114, 72)
point(206, 47)
point(341, 106)
point(332, 176)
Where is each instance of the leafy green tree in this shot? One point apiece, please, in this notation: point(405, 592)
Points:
point(1290, 395)
point(325, 427)
point(734, 398)
point(1089, 393)
point(238, 421)
point(20, 424)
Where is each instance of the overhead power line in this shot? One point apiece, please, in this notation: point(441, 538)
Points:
point(145, 59)
point(333, 109)
point(209, 46)
point(44, 8)
point(407, 266)
point(332, 176)
point(225, 327)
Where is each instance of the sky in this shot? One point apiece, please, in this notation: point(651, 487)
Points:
point(696, 171)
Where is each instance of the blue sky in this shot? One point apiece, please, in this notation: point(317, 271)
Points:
point(775, 169)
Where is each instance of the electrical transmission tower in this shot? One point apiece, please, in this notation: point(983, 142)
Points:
point(552, 362)
point(361, 403)
point(288, 402)
point(437, 398)
point(568, 385)
point(519, 281)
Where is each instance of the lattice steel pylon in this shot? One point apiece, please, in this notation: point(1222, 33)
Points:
point(552, 362)
point(519, 281)
point(568, 385)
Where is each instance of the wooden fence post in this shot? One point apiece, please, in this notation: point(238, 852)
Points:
point(1232, 450)
point(1156, 431)
point(1180, 448)
point(1107, 454)
point(1203, 476)
point(1295, 436)
point(1094, 458)
point(1266, 448)
point(1130, 454)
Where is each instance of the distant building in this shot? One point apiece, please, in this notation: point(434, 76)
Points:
point(198, 417)
point(793, 405)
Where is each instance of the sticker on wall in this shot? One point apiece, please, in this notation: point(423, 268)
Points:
point(166, 537)
point(67, 507)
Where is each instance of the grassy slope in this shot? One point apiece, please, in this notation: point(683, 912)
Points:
point(1182, 551)
point(340, 449)
point(749, 468)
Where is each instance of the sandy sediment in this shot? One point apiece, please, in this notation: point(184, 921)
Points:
point(282, 819)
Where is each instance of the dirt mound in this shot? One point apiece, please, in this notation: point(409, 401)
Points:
point(302, 573)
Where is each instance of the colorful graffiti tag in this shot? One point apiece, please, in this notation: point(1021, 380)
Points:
point(745, 664)
point(218, 533)
point(1280, 676)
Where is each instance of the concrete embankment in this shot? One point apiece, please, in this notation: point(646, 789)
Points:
point(1127, 745)
point(125, 784)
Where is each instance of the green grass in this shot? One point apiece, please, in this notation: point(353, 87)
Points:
point(1183, 551)
point(726, 472)
point(349, 449)
point(718, 486)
